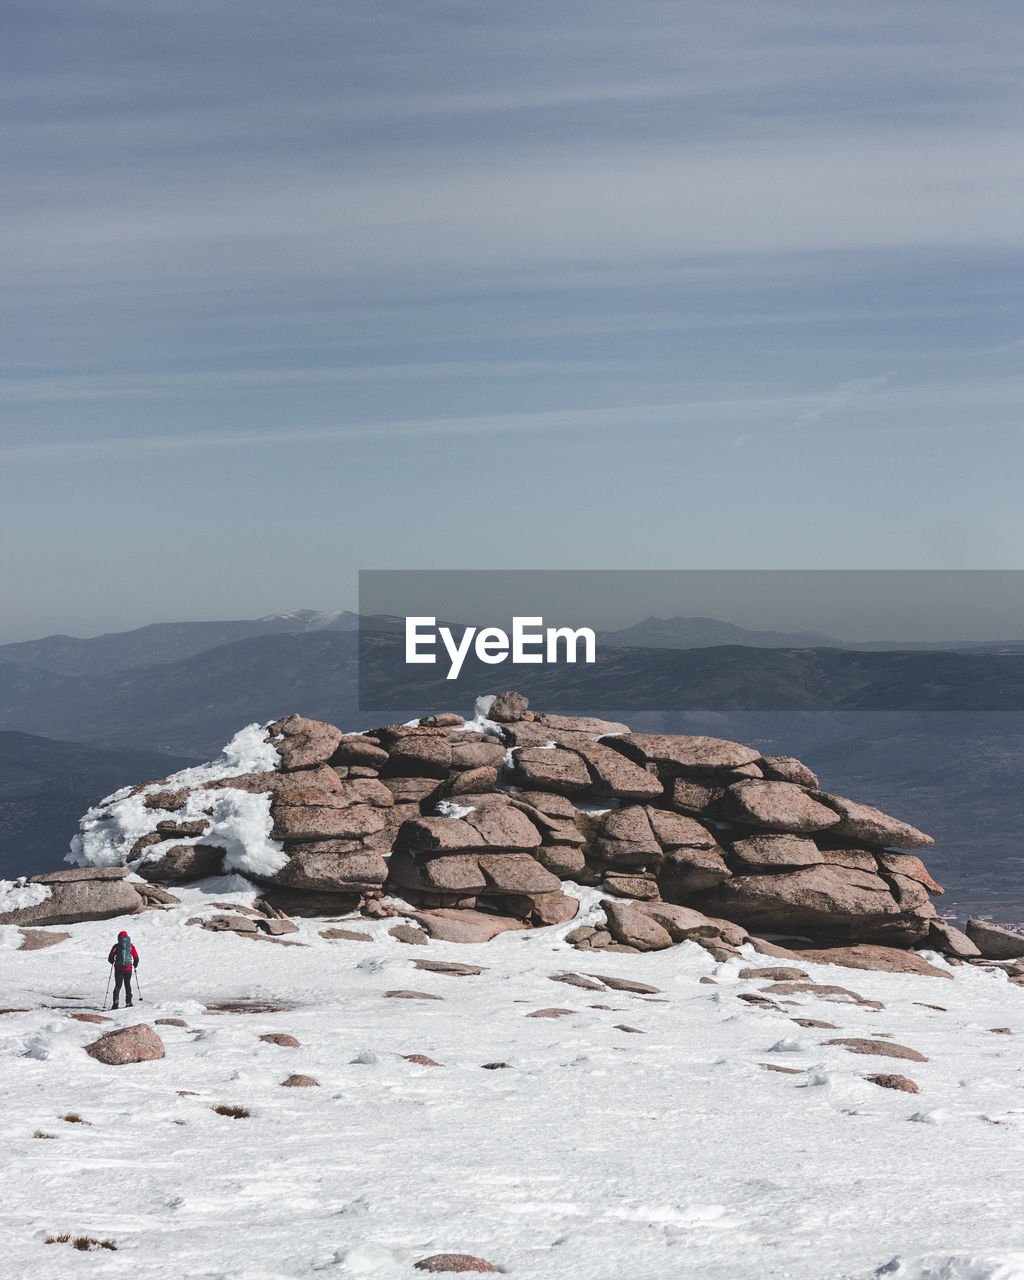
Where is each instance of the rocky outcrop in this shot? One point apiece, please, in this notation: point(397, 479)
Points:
point(74, 895)
point(993, 941)
point(474, 828)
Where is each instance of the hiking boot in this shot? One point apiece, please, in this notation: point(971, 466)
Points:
point(114, 1005)
point(128, 1004)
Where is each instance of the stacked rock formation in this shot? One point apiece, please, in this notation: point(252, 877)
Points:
point(486, 820)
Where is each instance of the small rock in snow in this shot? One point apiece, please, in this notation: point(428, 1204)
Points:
point(893, 1082)
point(878, 1048)
point(125, 1045)
point(441, 1262)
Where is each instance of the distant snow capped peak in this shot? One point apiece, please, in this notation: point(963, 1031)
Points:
point(317, 620)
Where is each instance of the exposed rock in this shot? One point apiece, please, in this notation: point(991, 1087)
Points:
point(517, 873)
point(153, 893)
point(695, 798)
point(942, 936)
point(508, 706)
point(92, 893)
point(823, 991)
point(878, 1048)
point(906, 865)
point(98, 1017)
point(350, 935)
point(410, 934)
point(787, 1071)
point(169, 828)
point(676, 831)
point(280, 1038)
point(779, 974)
point(902, 1083)
point(686, 872)
point(37, 940)
point(230, 923)
point(276, 927)
point(357, 749)
point(810, 900)
point(787, 769)
point(332, 816)
point(867, 956)
point(300, 1082)
point(683, 754)
point(440, 1262)
point(412, 995)
point(409, 790)
point(472, 780)
point(464, 926)
point(627, 984)
point(777, 851)
point(625, 836)
point(332, 872)
point(555, 768)
point(631, 926)
point(420, 1059)
point(127, 1044)
point(420, 755)
point(549, 1013)
point(441, 835)
point(452, 967)
point(592, 726)
point(641, 887)
point(553, 908)
point(167, 1022)
point(992, 941)
point(504, 827)
point(306, 904)
point(778, 806)
point(167, 801)
point(766, 948)
point(185, 862)
point(577, 980)
point(615, 775)
point(450, 873)
point(301, 742)
point(546, 802)
point(853, 859)
point(562, 860)
point(686, 925)
point(861, 822)
point(633, 1031)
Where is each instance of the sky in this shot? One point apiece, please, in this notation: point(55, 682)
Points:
point(294, 290)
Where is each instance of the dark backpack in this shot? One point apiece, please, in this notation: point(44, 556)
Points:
point(123, 954)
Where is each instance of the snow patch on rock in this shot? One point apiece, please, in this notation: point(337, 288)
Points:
point(16, 894)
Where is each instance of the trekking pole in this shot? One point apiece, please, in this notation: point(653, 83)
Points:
point(138, 988)
point(110, 971)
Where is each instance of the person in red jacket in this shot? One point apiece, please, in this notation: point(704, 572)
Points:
point(125, 960)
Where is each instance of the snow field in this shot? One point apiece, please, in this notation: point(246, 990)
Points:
point(598, 1153)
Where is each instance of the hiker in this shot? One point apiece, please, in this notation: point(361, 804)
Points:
point(125, 960)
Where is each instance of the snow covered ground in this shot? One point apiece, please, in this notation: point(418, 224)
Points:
point(597, 1153)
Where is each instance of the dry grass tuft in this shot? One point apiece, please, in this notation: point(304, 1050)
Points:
point(39, 1134)
point(236, 1113)
point(83, 1243)
point(74, 1118)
